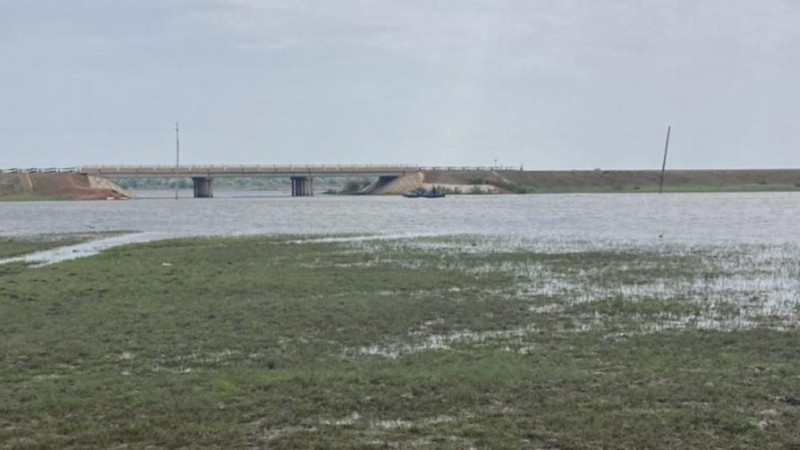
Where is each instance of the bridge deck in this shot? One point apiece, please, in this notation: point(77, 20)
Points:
point(248, 170)
point(253, 170)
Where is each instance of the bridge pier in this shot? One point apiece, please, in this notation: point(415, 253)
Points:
point(302, 186)
point(202, 187)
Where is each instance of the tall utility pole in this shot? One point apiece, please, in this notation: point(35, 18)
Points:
point(664, 163)
point(177, 156)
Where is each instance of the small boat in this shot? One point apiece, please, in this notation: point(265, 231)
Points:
point(421, 193)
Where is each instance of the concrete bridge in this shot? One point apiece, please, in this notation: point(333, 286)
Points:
point(302, 176)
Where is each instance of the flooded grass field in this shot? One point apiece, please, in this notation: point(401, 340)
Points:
point(441, 341)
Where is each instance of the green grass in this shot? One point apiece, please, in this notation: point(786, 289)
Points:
point(683, 188)
point(257, 342)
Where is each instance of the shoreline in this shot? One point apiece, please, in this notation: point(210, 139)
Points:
point(72, 186)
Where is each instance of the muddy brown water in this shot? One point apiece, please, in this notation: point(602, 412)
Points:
point(718, 218)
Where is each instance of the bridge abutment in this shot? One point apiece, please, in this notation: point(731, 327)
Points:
point(302, 186)
point(202, 187)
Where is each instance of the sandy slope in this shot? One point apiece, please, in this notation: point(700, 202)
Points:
point(60, 185)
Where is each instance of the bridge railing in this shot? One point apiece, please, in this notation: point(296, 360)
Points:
point(332, 167)
point(468, 168)
point(245, 167)
point(40, 170)
point(255, 168)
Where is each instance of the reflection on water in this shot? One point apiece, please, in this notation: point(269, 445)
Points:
point(185, 194)
point(615, 218)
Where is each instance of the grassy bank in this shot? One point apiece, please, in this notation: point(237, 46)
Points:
point(447, 342)
point(693, 188)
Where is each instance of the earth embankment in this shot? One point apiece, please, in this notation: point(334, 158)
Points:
point(58, 186)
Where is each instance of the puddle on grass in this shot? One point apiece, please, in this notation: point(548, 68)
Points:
point(443, 341)
point(636, 325)
point(381, 432)
point(388, 424)
point(349, 420)
point(400, 423)
point(550, 308)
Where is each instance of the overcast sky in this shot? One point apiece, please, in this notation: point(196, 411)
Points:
point(551, 84)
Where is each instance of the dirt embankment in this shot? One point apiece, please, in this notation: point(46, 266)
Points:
point(451, 182)
point(71, 186)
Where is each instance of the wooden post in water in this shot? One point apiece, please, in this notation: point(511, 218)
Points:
point(664, 163)
point(177, 157)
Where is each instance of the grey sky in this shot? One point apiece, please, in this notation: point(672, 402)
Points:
point(553, 84)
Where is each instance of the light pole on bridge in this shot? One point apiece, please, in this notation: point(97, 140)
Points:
point(177, 156)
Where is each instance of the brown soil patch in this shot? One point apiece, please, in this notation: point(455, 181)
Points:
point(73, 186)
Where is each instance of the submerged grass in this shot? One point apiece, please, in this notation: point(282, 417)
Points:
point(16, 246)
point(259, 342)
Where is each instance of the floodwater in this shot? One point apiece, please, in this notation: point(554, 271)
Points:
point(639, 219)
point(749, 242)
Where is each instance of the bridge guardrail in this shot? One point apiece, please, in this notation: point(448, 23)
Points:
point(39, 170)
point(256, 168)
point(228, 167)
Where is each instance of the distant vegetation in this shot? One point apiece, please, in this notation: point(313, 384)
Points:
point(350, 188)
